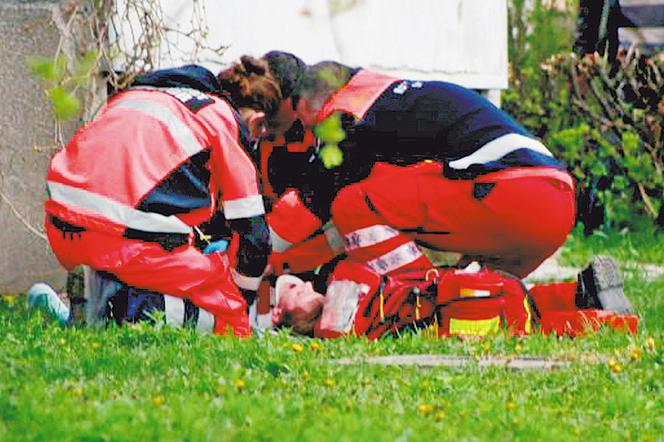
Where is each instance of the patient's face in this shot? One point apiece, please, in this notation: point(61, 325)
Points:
point(300, 305)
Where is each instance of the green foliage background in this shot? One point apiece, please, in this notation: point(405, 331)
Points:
point(604, 119)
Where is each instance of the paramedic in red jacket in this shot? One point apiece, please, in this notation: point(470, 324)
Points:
point(457, 174)
point(163, 157)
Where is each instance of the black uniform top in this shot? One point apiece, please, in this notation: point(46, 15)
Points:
point(412, 121)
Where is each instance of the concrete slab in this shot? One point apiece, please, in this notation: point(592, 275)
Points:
point(426, 361)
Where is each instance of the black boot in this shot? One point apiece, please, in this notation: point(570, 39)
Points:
point(76, 294)
point(600, 286)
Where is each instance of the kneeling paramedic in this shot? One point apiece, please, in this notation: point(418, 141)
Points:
point(163, 157)
point(457, 174)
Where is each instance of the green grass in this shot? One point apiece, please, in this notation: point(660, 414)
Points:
point(644, 244)
point(139, 384)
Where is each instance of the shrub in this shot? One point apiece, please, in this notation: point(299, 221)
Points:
point(604, 119)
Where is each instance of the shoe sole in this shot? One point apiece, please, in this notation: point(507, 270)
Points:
point(603, 285)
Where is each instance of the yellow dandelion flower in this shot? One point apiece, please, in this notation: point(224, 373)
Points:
point(240, 384)
point(510, 405)
point(158, 400)
point(95, 345)
point(636, 353)
point(330, 382)
point(650, 344)
point(77, 391)
point(315, 346)
point(297, 347)
point(440, 415)
point(424, 409)
point(614, 366)
point(62, 341)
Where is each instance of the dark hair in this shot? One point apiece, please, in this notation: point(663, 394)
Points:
point(287, 69)
point(323, 79)
point(250, 83)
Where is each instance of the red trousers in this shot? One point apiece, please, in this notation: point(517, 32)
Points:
point(184, 272)
point(510, 220)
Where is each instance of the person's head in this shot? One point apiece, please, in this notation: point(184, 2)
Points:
point(287, 68)
point(317, 84)
point(298, 305)
point(255, 92)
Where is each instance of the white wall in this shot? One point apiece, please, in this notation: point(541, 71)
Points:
point(464, 41)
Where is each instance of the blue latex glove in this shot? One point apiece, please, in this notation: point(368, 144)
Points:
point(216, 247)
point(43, 296)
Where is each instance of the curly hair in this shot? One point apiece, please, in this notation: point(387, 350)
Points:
point(250, 83)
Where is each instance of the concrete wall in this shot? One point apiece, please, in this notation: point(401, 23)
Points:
point(26, 132)
point(463, 41)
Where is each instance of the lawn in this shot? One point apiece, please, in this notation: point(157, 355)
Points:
point(141, 383)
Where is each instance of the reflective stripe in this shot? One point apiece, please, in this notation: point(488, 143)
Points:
point(205, 323)
point(369, 236)
point(244, 207)
point(183, 94)
point(498, 148)
point(333, 237)
point(342, 300)
point(529, 319)
point(402, 255)
point(264, 320)
point(474, 327)
point(178, 129)
point(279, 244)
point(174, 309)
point(246, 282)
point(115, 211)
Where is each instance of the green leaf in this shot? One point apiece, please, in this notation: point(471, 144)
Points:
point(65, 105)
point(43, 67)
point(331, 156)
point(330, 130)
point(85, 66)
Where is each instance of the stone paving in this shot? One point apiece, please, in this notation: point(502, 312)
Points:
point(425, 361)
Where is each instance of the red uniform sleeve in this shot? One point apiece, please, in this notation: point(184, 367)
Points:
point(232, 171)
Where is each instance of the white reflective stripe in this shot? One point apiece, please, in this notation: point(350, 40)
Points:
point(498, 148)
point(178, 129)
point(183, 94)
point(333, 237)
point(244, 207)
point(115, 211)
point(369, 236)
point(205, 323)
point(342, 299)
point(246, 282)
point(279, 244)
point(174, 309)
point(264, 320)
point(402, 255)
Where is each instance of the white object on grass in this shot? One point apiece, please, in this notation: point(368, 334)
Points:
point(43, 296)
